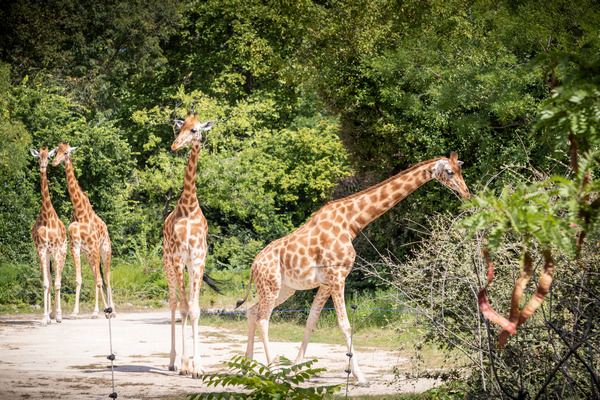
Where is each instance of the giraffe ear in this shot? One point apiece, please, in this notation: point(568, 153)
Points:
point(460, 163)
point(52, 152)
point(178, 123)
point(34, 153)
point(207, 125)
point(72, 149)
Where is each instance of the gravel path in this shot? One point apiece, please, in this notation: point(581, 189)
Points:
point(69, 360)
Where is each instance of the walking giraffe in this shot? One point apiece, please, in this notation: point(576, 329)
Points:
point(50, 238)
point(320, 253)
point(185, 245)
point(88, 234)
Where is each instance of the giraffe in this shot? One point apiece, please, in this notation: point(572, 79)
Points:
point(320, 253)
point(88, 234)
point(50, 237)
point(184, 245)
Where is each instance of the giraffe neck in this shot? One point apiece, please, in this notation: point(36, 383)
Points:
point(80, 201)
point(46, 203)
point(368, 205)
point(188, 199)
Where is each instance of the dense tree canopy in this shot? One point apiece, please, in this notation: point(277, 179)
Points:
point(313, 100)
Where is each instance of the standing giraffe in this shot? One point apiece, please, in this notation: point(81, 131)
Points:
point(185, 245)
point(88, 234)
point(50, 237)
point(320, 252)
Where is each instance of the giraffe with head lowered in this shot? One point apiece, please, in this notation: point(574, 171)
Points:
point(50, 238)
point(88, 234)
point(184, 245)
point(320, 253)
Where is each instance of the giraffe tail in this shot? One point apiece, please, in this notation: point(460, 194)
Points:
point(212, 283)
point(102, 275)
point(242, 301)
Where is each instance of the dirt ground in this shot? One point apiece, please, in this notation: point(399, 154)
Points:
point(69, 360)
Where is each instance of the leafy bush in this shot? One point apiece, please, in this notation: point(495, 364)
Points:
point(267, 382)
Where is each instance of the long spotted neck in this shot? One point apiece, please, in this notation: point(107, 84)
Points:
point(371, 203)
point(81, 203)
point(188, 200)
point(46, 203)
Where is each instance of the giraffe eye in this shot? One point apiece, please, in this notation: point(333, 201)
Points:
point(449, 172)
point(193, 130)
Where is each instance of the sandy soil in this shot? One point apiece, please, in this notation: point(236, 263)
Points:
point(69, 360)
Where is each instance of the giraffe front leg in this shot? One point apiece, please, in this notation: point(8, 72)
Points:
point(76, 252)
point(171, 280)
point(195, 281)
point(44, 263)
point(340, 307)
point(59, 259)
point(184, 310)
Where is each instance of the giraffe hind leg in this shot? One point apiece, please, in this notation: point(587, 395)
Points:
point(315, 311)
point(93, 259)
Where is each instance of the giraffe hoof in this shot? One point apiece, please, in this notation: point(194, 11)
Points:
point(172, 368)
point(94, 316)
point(363, 384)
point(196, 375)
point(182, 372)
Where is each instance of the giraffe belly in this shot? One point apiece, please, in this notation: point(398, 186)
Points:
point(304, 278)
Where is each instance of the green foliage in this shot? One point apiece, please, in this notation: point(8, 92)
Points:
point(275, 381)
point(253, 183)
point(550, 213)
point(574, 105)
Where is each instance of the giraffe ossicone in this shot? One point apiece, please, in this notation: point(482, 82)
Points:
point(184, 245)
point(50, 239)
point(320, 253)
point(88, 234)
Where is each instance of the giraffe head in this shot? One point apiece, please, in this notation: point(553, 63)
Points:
point(449, 173)
point(190, 131)
point(63, 153)
point(43, 156)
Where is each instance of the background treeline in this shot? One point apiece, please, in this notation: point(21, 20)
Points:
point(314, 100)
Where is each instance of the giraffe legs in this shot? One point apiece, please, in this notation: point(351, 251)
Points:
point(184, 310)
point(60, 255)
point(172, 281)
point(259, 314)
point(45, 265)
point(105, 253)
point(315, 311)
point(76, 252)
point(337, 295)
point(93, 259)
point(196, 269)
